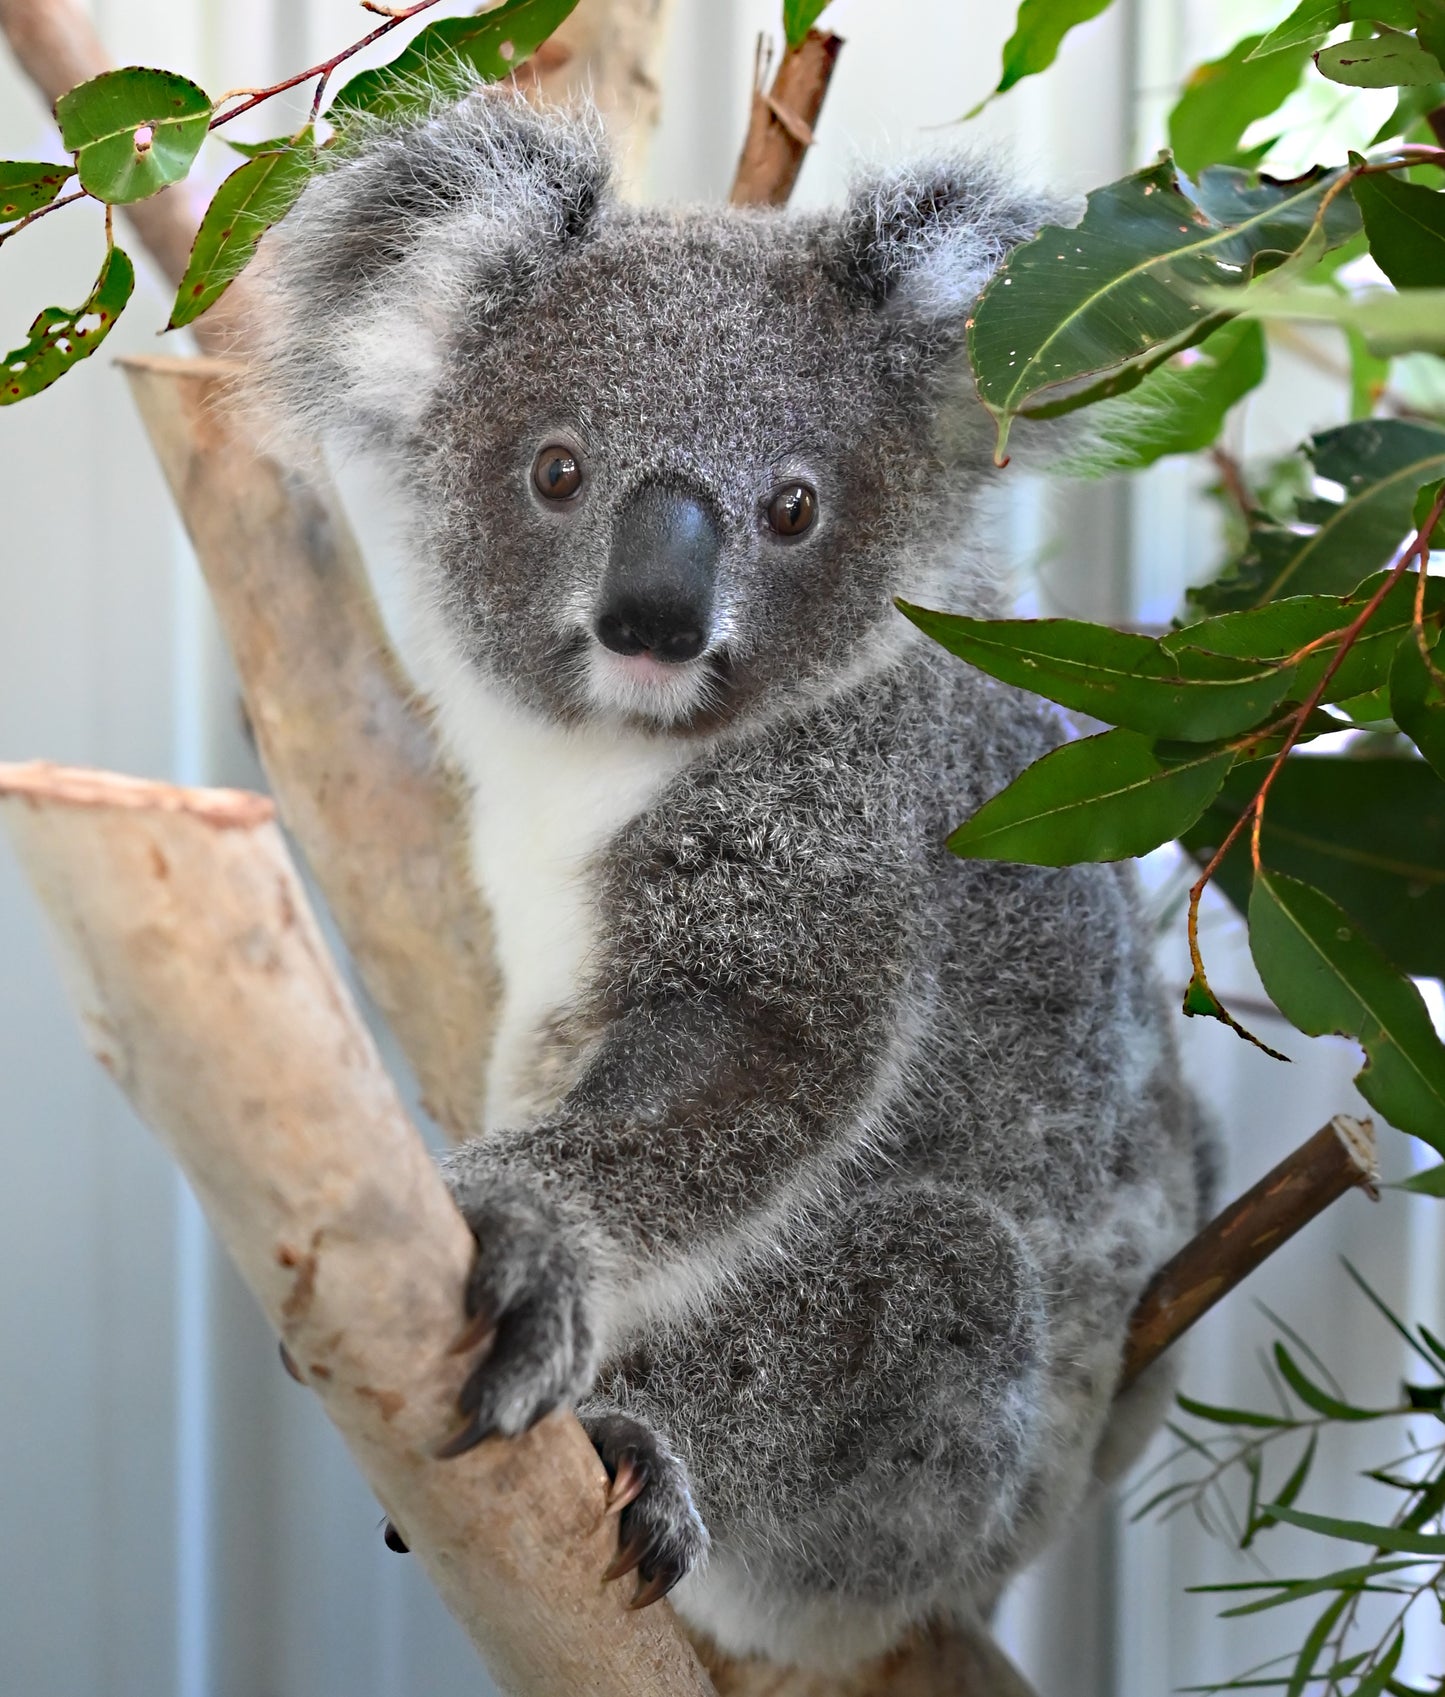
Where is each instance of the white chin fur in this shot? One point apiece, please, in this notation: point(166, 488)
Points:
point(639, 687)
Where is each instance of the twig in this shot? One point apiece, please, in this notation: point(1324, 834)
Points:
point(206, 991)
point(1231, 478)
point(42, 211)
point(780, 128)
point(1339, 1157)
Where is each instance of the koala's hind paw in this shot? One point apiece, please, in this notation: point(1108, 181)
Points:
point(529, 1304)
point(659, 1531)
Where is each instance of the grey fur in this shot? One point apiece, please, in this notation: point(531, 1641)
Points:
point(842, 1162)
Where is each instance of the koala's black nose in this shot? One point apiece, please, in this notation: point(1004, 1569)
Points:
point(661, 573)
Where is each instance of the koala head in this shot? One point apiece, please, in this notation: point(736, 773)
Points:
point(665, 468)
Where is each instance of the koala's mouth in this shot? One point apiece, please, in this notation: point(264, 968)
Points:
point(684, 698)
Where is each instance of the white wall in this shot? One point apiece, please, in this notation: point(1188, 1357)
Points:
point(176, 1519)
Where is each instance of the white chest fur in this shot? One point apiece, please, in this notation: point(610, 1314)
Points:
point(546, 801)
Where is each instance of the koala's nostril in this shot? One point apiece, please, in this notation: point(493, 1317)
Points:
point(614, 632)
point(671, 634)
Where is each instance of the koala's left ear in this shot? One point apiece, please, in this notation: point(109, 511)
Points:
point(919, 243)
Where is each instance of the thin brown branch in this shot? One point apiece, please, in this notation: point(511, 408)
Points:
point(1231, 479)
point(1339, 1157)
point(783, 118)
point(207, 993)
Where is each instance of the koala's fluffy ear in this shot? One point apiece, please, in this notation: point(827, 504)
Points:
point(919, 243)
point(412, 234)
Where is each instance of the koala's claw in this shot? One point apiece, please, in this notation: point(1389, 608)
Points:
point(394, 1540)
point(660, 1534)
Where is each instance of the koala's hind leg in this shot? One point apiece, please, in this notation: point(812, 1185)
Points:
point(858, 1416)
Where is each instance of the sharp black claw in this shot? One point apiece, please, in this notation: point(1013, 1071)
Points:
point(627, 1557)
point(628, 1483)
point(288, 1361)
point(650, 1590)
point(394, 1540)
point(467, 1436)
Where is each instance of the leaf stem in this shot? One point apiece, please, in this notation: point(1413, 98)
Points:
point(41, 211)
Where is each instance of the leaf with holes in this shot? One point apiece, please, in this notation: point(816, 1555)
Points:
point(1224, 96)
point(1406, 226)
point(799, 16)
point(245, 206)
point(1327, 978)
point(1078, 315)
point(1336, 541)
point(133, 131)
point(1117, 676)
point(58, 339)
point(491, 46)
point(1039, 31)
point(1379, 61)
point(27, 185)
point(1369, 833)
point(1108, 797)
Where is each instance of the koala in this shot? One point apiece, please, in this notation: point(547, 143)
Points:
point(818, 1171)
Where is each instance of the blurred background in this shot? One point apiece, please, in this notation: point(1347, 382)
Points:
point(177, 1518)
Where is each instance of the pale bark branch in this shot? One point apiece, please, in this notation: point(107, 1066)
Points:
point(348, 748)
point(780, 127)
point(205, 989)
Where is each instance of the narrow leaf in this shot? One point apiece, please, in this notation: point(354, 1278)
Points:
point(799, 16)
point(1347, 1579)
point(27, 185)
point(1406, 226)
point(1103, 798)
point(133, 131)
point(1379, 61)
point(1429, 1183)
point(59, 338)
point(1309, 1393)
point(1379, 1676)
point(1224, 96)
point(1326, 977)
point(1231, 1416)
point(1038, 32)
point(1314, 1643)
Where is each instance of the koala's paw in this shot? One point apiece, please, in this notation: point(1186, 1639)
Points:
point(530, 1307)
point(659, 1531)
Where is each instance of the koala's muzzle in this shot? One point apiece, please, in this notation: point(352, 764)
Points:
point(657, 595)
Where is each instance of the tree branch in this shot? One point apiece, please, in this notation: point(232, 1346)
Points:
point(206, 991)
point(780, 128)
point(348, 748)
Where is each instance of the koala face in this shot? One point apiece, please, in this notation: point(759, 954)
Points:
point(670, 468)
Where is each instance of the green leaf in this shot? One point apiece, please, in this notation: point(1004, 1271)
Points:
point(1231, 1416)
point(1406, 226)
point(1179, 408)
point(1223, 97)
point(1362, 1532)
point(1379, 61)
point(1039, 30)
point(799, 16)
point(1306, 26)
point(1408, 115)
point(1117, 676)
point(1379, 1676)
point(1417, 702)
point(1326, 977)
point(1262, 1520)
point(1390, 323)
point(1077, 315)
point(1379, 464)
point(1347, 1579)
point(1102, 798)
point(1314, 1644)
point(26, 185)
point(491, 46)
point(58, 338)
point(133, 131)
point(245, 206)
point(1309, 1393)
point(1429, 1183)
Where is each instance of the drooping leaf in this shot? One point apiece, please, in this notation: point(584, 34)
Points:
point(1380, 1678)
point(1077, 315)
point(1313, 1646)
point(1039, 30)
point(1369, 833)
point(59, 338)
point(1390, 323)
point(1347, 1579)
point(1322, 1402)
point(1379, 463)
point(1107, 797)
point(1379, 61)
point(1117, 676)
point(1429, 1183)
point(491, 46)
point(799, 16)
point(1223, 97)
point(1406, 226)
point(1179, 408)
point(1363, 1532)
point(1417, 701)
point(1326, 977)
point(1221, 1416)
point(133, 131)
point(27, 184)
point(245, 206)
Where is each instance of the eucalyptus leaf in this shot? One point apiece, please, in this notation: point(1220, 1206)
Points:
point(491, 46)
point(799, 16)
point(1107, 797)
point(60, 338)
point(1322, 1402)
point(1039, 30)
point(1417, 701)
point(1364, 1532)
point(1307, 26)
point(1379, 61)
point(1346, 1579)
point(1390, 322)
point(26, 185)
point(133, 131)
point(245, 206)
point(1077, 315)
point(1326, 977)
point(1429, 1183)
point(1224, 96)
point(1406, 226)
point(1220, 1416)
point(1117, 676)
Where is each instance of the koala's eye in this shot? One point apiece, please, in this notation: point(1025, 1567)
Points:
point(556, 473)
point(793, 509)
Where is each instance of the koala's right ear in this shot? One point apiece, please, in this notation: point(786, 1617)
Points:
point(413, 233)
